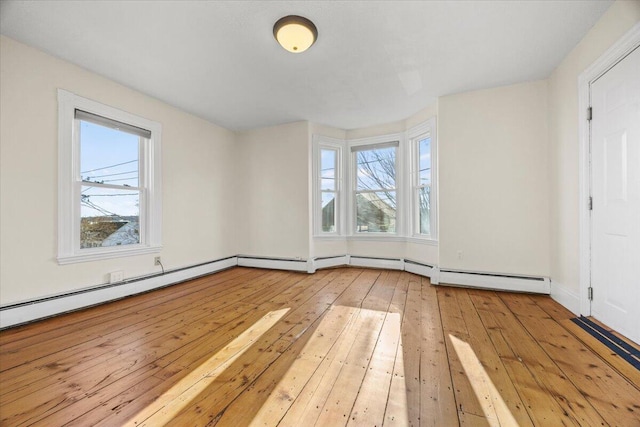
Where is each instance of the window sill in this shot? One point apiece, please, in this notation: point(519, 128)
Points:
point(107, 254)
point(329, 237)
point(379, 238)
point(422, 241)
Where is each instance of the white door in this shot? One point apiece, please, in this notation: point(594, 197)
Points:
point(615, 187)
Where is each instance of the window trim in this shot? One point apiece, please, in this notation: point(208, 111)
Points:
point(319, 143)
point(414, 135)
point(69, 176)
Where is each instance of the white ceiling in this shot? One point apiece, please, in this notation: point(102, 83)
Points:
point(374, 61)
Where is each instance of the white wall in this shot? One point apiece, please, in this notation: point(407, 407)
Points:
point(272, 188)
point(563, 135)
point(493, 159)
point(198, 161)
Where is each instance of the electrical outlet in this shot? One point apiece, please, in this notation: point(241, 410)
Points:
point(116, 276)
point(157, 261)
point(459, 254)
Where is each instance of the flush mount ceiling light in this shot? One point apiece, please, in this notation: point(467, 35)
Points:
point(295, 33)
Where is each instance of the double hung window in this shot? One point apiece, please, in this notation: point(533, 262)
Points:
point(375, 189)
point(109, 182)
point(422, 140)
point(327, 203)
point(328, 188)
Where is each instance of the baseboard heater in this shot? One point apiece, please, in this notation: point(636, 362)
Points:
point(290, 264)
point(421, 269)
point(377, 262)
point(495, 281)
point(42, 308)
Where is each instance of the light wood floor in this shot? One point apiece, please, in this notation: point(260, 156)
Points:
point(344, 346)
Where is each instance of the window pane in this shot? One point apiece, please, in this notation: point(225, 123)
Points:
point(376, 212)
point(328, 212)
point(328, 169)
point(108, 156)
point(424, 153)
point(376, 169)
point(424, 198)
point(109, 217)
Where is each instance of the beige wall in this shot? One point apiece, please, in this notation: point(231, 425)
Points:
point(563, 136)
point(198, 159)
point(272, 188)
point(508, 177)
point(493, 158)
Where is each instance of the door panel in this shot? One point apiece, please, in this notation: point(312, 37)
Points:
point(615, 187)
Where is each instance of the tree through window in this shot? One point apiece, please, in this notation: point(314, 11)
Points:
point(375, 189)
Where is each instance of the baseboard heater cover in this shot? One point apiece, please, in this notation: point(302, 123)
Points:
point(291, 264)
point(496, 281)
point(41, 308)
point(28, 311)
point(421, 269)
point(375, 262)
point(330, 261)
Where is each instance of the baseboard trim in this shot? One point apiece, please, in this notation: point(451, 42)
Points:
point(566, 298)
point(28, 311)
point(502, 282)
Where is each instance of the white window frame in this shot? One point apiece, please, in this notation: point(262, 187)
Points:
point(326, 143)
point(70, 183)
point(373, 141)
point(414, 136)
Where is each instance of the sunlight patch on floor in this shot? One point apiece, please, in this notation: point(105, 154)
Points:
point(493, 405)
point(346, 369)
point(167, 406)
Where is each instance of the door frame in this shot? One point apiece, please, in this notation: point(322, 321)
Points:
point(604, 63)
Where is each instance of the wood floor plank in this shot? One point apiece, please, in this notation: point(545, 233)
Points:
point(94, 337)
point(91, 351)
point(611, 395)
point(335, 409)
point(23, 336)
point(328, 335)
point(372, 397)
point(411, 341)
point(623, 367)
point(222, 392)
point(357, 346)
point(79, 381)
point(396, 411)
point(437, 400)
point(487, 356)
point(453, 325)
point(308, 402)
point(181, 394)
point(549, 397)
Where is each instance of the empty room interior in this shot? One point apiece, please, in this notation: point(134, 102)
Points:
point(299, 213)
